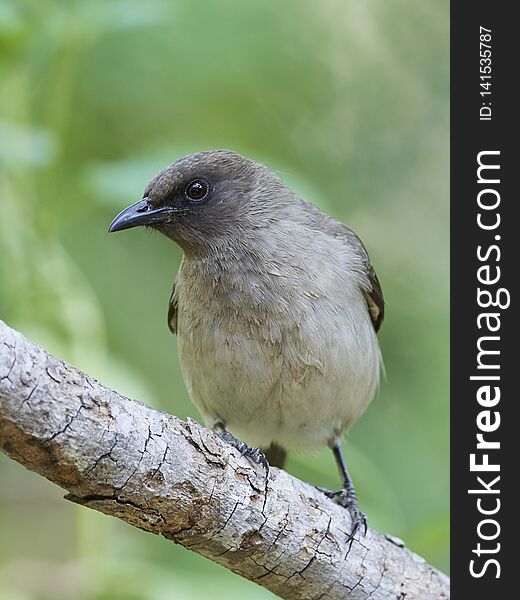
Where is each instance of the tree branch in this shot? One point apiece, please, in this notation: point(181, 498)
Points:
point(177, 479)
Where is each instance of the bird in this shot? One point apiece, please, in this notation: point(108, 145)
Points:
point(275, 306)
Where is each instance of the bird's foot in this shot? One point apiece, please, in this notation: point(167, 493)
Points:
point(348, 499)
point(255, 455)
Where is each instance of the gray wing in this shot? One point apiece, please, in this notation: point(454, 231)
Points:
point(372, 290)
point(173, 304)
point(172, 311)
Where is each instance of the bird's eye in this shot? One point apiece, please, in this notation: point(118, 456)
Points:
point(197, 190)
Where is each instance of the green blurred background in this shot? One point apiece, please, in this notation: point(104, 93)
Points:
point(348, 101)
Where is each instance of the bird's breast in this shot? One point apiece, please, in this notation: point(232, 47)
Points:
point(275, 358)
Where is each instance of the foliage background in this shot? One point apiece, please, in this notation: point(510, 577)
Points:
point(348, 101)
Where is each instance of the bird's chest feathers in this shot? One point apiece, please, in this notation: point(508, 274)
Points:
point(227, 306)
point(268, 314)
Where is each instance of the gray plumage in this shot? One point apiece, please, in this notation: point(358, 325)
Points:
point(275, 305)
point(276, 308)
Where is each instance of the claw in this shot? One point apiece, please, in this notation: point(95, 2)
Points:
point(348, 499)
point(255, 455)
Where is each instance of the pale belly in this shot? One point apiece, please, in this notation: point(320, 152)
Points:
point(300, 386)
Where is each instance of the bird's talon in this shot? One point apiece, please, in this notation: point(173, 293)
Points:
point(255, 455)
point(347, 499)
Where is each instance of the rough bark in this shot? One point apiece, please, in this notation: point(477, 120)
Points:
point(177, 479)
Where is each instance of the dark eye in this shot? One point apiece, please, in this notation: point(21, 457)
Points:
point(197, 189)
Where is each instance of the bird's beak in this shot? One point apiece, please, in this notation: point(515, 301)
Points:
point(140, 213)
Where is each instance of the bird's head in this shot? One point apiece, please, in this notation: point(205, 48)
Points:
point(205, 199)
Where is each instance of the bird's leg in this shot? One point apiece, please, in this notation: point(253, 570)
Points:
point(347, 497)
point(255, 455)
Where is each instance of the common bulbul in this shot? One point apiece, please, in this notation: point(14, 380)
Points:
point(275, 307)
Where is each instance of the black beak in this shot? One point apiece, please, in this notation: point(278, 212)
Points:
point(140, 213)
